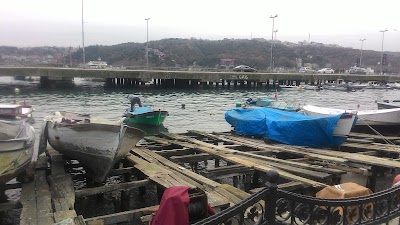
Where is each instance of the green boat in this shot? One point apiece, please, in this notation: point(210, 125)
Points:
point(145, 115)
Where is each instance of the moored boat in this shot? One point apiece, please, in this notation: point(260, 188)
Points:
point(290, 127)
point(386, 104)
point(17, 111)
point(96, 143)
point(384, 121)
point(17, 139)
point(272, 103)
point(145, 115)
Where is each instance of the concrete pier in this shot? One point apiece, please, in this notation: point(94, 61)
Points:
point(179, 79)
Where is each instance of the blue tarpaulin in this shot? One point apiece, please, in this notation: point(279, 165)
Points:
point(286, 127)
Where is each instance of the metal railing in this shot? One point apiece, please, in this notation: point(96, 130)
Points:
point(272, 206)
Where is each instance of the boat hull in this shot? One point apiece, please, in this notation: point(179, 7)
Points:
point(154, 118)
point(96, 146)
point(384, 121)
point(15, 154)
point(386, 105)
point(344, 125)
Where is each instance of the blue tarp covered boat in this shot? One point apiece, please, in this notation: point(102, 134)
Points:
point(288, 127)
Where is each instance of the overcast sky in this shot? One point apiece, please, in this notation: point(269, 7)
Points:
point(58, 22)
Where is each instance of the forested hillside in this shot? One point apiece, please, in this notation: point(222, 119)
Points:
point(207, 54)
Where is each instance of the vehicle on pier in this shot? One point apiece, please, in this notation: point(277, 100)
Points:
point(96, 143)
point(17, 139)
point(326, 70)
point(291, 128)
point(244, 68)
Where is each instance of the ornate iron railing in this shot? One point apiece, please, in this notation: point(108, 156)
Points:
point(284, 207)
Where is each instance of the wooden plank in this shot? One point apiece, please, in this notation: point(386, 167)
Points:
point(235, 157)
point(168, 178)
point(120, 171)
point(12, 186)
point(44, 210)
point(361, 141)
point(191, 158)
point(373, 136)
point(384, 148)
point(289, 186)
point(28, 214)
point(64, 215)
point(41, 163)
point(122, 216)
point(42, 187)
point(175, 152)
point(62, 191)
point(288, 149)
point(5, 206)
point(115, 187)
point(213, 189)
point(353, 157)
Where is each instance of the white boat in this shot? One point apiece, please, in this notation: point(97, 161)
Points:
point(17, 111)
point(311, 87)
point(345, 123)
point(394, 85)
point(338, 85)
point(384, 121)
point(376, 85)
point(17, 139)
point(385, 104)
point(290, 87)
point(356, 85)
point(96, 143)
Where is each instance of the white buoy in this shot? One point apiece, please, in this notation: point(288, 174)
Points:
point(16, 90)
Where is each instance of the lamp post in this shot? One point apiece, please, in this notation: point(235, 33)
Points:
point(272, 41)
point(275, 31)
point(362, 42)
point(83, 39)
point(147, 43)
point(383, 36)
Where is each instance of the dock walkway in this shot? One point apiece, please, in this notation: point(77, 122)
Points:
point(227, 167)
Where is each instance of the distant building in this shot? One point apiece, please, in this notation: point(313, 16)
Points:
point(227, 63)
point(97, 64)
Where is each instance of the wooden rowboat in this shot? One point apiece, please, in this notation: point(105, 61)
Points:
point(17, 139)
point(96, 143)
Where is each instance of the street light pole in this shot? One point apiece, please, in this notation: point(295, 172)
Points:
point(383, 36)
point(362, 42)
point(83, 39)
point(272, 41)
point(147, 43)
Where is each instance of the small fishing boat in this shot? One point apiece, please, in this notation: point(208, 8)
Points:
point(290, 127)
point(17, 111)
point(384, 121)
point(144, 115)
point(96, 143)
point(290, 87)
point(272, 103)
point(17, 139)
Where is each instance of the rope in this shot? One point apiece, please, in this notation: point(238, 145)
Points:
point(13, 163)
point(387, 141)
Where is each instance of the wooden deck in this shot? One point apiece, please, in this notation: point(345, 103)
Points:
point(227, 167)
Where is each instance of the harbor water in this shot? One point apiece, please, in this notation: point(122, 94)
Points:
point(200, 109)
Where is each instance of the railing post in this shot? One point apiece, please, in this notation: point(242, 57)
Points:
point(270, 199)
